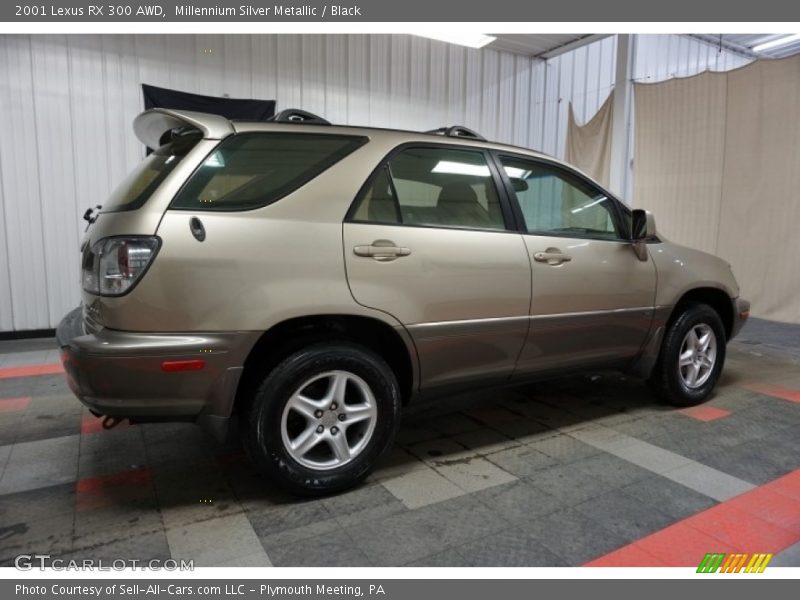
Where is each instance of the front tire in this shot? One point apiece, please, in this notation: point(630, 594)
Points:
point(692, 357)
point(323, 417)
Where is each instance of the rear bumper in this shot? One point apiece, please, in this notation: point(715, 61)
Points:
point(123, 374)
point(741, 312)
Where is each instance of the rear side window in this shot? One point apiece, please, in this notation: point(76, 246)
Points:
point(434, 187)
point(137, 187)
point(251, 170)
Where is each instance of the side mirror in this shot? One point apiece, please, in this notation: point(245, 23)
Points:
point(643, 225)
point(643, 228)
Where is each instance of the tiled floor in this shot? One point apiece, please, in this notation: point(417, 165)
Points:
point(583, 470)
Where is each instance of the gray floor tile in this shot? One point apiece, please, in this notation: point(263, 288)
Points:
point(473, 474)
point(410, 434)
point(485, 441)
point(410, 536)
point(421, 487)
point(669, 497)
point(5, 453)
point(24, 359)
point(34, 505)
point(216, 542)
point(522, 461)
point(570, 484)
point(790, 557)
point(518, 501)
point(614, 472)
point(43, 536)
point(448, 558)
point(748, 462)
point(452, 424)
point(9, 430)
point(709, 481)
point(564, 449)
point(624, 515)
point(529, 521)
point(510, 548)
point(105, 462)
point(333, 549)
point(573, 536)
point(363, 504)
point(39, 464)
point(112, 525)
point(291, 522)
point(147, 546)
point(28, 345)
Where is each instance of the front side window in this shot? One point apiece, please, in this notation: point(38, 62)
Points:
point(555, 202)
point(251, 170)
point(438, 187)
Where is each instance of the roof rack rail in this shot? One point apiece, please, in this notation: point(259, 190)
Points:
point(295, 115)
point(458, 131)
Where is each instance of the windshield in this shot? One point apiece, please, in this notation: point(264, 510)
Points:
point(140, 184)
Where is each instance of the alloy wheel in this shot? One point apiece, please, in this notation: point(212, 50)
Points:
point(698, 355)
point(329, 420)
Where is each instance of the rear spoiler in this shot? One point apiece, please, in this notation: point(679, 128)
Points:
point(152, 124)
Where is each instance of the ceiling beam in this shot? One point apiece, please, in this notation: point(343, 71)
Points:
point(714, 40)
point(579, 43)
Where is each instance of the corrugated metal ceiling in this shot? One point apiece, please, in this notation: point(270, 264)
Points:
point(541, 45)
point(745, 42)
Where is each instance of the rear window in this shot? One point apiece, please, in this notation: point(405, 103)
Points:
point(251, 170)
point(137, 187)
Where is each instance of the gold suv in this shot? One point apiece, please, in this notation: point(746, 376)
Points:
point(311, 279)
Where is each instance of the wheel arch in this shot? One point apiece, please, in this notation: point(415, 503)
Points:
point(393, 344)
point(716, 298)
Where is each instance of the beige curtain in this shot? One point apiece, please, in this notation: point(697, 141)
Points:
point(589, 145)
point(717, 160)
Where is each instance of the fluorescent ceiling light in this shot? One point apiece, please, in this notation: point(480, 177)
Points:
point(781, 41)
point(215, 160)
point(517, 173)
point(588, 204)
point(471, 40)
point(458, 168)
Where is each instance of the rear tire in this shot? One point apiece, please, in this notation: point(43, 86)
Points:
point(322, 418)
point(692, 357)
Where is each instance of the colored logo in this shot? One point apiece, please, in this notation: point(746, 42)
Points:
point(734, 563)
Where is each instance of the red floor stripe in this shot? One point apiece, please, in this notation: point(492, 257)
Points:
point(92, 424)
point(705, 413)
point(116, 489)
point(786, 486)
point(31, 371)
point(14, 404)
point(765, 519)
point(776, 391)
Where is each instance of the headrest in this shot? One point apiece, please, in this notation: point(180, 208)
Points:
point(457, 191)
point(519, 184)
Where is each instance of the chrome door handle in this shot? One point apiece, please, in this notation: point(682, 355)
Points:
point(552, 256)
point(381, 250)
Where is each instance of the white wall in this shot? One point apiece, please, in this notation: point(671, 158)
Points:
point(67, 103)
point(660, 57)
point(585, 77)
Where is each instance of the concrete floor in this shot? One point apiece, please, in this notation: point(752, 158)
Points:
point(587, 470)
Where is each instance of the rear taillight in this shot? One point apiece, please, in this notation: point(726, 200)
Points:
point(113, 265)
